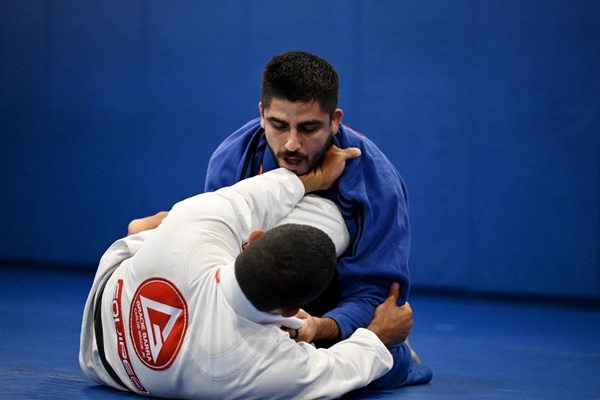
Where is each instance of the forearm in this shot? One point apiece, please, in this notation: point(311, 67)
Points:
point(326, 329)
point(365, 284)
point(356, 309)
point(326, 373)
point(223, 220)
point(259, 202)
point(353, 363)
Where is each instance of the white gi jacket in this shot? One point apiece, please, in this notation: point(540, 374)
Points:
point(176, 324)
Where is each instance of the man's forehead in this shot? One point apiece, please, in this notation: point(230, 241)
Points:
point(296, 112)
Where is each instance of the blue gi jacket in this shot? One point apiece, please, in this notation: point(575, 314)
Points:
point(373, 200)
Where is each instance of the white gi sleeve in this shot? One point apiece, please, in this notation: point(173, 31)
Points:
point(213, 226)
point(301, 371)
point(323, 214)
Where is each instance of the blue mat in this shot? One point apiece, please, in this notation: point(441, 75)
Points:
point(478, 349)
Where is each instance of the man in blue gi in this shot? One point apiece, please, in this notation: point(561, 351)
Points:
point(299, 120)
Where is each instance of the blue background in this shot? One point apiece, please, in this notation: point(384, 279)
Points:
point(109, 110)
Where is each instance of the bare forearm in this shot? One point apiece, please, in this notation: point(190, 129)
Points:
point(315, 329)
point(327, 329)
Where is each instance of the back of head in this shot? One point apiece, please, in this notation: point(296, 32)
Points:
point(298, 76)
point(286, 267)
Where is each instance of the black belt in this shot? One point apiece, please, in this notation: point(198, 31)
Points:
point(99, 337)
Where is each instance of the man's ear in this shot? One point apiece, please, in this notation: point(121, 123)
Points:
point(255, 235)
point(261, 110)
point(338, 114)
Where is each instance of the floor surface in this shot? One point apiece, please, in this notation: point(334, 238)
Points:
point(477, 349)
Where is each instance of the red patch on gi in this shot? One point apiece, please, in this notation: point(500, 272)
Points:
point(158, 320)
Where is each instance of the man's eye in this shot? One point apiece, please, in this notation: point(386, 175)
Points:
point(309, 129)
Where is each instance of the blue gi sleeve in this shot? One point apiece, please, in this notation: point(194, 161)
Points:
point(374, 202)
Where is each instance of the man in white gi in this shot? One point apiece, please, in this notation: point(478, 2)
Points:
point(181, 312)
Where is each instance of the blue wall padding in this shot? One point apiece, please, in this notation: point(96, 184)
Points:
point(489, 109)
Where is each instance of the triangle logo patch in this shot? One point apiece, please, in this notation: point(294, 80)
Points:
point(158, 322)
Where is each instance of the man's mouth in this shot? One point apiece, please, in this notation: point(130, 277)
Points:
point(293, 160)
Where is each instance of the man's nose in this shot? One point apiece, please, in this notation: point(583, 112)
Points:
point(293, 141)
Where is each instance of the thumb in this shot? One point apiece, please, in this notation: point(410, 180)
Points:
point(351, 152)
point(394, 292)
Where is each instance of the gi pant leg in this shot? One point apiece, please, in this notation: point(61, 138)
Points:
point(404, 372)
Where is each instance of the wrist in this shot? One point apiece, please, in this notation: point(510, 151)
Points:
point(308, 183)
point(378, 332)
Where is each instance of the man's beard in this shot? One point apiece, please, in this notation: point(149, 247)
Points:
point(312, 162)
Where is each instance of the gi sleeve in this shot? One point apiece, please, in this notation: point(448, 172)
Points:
point(373, 199)
point(301, 371)
point(212, 227)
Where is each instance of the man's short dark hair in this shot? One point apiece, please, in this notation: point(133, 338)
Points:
point(298, 76)
point(286, 267)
